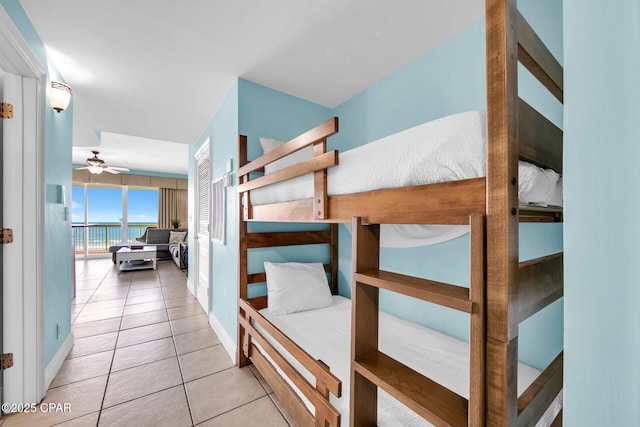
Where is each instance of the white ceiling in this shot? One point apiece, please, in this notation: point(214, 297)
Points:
point(149, 75)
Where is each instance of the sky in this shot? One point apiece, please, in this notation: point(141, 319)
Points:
point(105, 205)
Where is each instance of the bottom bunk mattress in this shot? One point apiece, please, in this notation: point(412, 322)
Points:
point(326, 335)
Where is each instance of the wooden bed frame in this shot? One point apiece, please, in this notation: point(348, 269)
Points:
point(503, 291)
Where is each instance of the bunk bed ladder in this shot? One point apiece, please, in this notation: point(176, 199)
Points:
point(371, 368)
point(517, 290)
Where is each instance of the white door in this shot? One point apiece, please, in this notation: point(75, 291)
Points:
point(2, 74)
point(22, 299)
point(23, 210)
point(202, 209)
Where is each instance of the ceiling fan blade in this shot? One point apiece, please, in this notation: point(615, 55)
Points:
point(111, 170)
point(118, 168)
point(82, 168)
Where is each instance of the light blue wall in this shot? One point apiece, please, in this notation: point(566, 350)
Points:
point(222, 132)
point(267, 112)
point(448, 79)
point(602, 148)
point(57, 228)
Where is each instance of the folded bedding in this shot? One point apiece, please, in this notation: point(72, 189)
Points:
point(326, 333)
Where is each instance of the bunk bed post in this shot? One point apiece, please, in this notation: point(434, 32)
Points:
point(333, 258)
point(477, 294)
point(364, 322)
point(502, 212)
point(320, 183)
point(243, 284)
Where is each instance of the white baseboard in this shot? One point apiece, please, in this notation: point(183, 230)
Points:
point(53, 367)
point(226, 341)
point(191, 287)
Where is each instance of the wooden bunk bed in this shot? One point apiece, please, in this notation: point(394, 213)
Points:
point(503, 291)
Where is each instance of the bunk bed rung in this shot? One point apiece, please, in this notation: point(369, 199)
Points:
point(532, 213)
point(317, 163)
point(321, 404)
point(540, 282)
point(432, 401)
point(333, 383)
point(283, 390)
point(265, 240)
point(258, 302)
point(536, 57)
point(536, 399)
point(262, 277)
point(557, 422)
point(540, 141)
point(318, 133)
point(452, 296)
point(296, 211)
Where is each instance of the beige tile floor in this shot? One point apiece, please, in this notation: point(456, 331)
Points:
point(145, 355)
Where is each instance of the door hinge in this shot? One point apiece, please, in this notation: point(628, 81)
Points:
point(6, 110)
point(6, 236)
point(6, 361)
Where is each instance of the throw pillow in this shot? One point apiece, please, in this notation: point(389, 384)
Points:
point(176, 236)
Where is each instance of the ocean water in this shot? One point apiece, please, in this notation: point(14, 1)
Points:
point(104, 234)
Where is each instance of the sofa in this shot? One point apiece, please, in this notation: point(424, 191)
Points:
point(170, 243)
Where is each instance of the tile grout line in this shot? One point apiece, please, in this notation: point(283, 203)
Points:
point(175, 347)
point(115, 347)
point(237, 407)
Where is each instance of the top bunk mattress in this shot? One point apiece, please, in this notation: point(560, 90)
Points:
point(447, 149)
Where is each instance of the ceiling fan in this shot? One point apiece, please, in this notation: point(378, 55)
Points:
point(96, 165)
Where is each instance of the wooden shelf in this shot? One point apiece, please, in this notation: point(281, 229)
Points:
point(427, 398)
point(452, 296)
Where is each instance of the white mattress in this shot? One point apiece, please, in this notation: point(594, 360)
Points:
point(447, 149)
point(326, 333)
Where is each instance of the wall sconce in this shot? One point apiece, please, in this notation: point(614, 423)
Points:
point(60, 96)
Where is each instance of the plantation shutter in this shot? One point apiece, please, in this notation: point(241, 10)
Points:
point(203, 195)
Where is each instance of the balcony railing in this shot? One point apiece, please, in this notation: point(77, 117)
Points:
point(101, 236)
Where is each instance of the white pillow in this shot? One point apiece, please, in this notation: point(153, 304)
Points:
point(269, 144)
point(295, 286)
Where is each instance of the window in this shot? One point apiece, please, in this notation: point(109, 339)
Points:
point(104, 215)
point(218, 210)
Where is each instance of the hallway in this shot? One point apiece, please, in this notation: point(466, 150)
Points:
point(145, 355)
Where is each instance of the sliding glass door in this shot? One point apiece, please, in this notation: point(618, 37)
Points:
point(142, 211)
point(106, 215)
